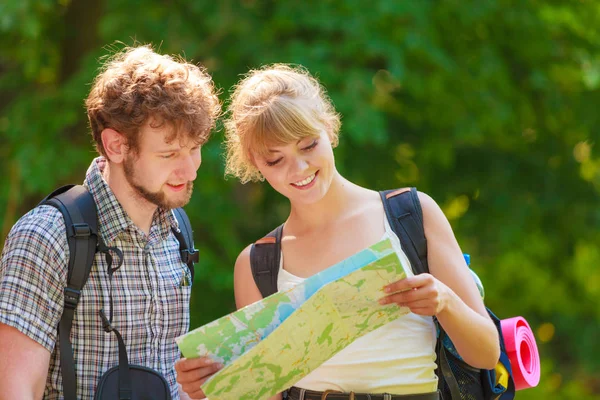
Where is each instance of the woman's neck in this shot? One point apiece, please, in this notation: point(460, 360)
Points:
point(340, 199)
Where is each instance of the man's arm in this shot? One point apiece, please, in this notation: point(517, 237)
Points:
point(33, 269)
point(23, 365)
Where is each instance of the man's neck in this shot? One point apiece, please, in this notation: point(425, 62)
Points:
point(140, 210)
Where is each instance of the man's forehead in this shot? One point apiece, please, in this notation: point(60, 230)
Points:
point(180, 140)
point(169, 135)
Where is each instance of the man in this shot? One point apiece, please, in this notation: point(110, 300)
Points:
point(149, 116)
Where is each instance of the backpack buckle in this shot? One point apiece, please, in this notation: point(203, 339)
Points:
point(71, 298)
point(190, 255)
point(81, 230)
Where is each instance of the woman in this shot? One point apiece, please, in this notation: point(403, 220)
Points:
point(282, 128)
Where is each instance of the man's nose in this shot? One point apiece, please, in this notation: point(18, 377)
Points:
point(189, 168)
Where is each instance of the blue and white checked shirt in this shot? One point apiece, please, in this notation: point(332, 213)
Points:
point(150, 304)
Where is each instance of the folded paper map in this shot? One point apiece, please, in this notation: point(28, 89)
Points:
point(269, 345)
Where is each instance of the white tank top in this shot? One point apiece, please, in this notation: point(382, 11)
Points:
point(398, 358)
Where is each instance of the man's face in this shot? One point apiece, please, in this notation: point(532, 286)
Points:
point(162, 172)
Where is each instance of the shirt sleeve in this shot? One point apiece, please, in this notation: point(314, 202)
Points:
point(33, 269)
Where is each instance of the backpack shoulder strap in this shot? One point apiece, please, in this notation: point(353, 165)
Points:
point(185, 236)
point(265, 256)
point(78, 209)
point(403, 211)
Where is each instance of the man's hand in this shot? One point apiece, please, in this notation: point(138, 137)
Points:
point(193, 372)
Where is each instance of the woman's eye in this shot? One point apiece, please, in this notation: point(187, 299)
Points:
point(271, 163)
point(311, 146)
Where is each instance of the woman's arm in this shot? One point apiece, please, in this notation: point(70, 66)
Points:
point(246, 291)
point(449, 292)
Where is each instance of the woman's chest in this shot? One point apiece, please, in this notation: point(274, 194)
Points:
point(307, 255)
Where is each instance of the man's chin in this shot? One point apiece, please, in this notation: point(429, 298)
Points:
point(176, 201)
point(164, 198)
point(173, 205)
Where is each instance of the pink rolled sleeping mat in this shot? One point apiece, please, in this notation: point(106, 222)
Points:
point(522, 352)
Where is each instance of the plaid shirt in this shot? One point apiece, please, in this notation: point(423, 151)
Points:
point(150, 305)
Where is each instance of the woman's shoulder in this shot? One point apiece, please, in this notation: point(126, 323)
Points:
point(266, 242)
point(425, 200)
point(243, 259)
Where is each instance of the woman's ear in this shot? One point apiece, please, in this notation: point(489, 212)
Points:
point(115, 145)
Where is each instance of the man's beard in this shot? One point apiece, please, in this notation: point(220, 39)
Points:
point(157, 198)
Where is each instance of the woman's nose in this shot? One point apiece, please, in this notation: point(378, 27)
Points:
point(301, 163)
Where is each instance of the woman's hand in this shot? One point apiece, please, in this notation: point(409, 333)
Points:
point(423, 294)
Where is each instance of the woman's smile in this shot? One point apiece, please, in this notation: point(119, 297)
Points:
point(306, 183)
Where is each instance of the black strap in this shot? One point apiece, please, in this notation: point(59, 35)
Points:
point(265, 256)
point(79, 213)
point(403, 210)
point(125, 385)
point(445, 370)
point(297, 393)
point(185, 236)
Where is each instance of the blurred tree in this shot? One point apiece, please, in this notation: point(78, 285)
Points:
point(487, 105)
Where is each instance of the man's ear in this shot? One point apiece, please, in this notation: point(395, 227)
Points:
point(115, 145)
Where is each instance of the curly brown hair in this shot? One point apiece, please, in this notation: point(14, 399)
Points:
point(274, 105)
point(137, 85)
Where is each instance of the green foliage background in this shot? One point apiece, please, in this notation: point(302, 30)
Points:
point(486, 105)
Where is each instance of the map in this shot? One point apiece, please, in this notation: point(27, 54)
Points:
point(269, 345)
point(229, 337)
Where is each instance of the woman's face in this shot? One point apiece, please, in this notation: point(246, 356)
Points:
point(301, 171)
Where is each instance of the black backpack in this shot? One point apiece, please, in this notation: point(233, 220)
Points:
point(456, 379)
point(125, 381)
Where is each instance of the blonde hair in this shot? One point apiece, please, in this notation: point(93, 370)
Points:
point(275, 105)
point(137, 85)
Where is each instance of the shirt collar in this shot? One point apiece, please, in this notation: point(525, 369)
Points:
point(112, 218)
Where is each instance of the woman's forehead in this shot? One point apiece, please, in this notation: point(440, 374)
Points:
point(268, 147)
